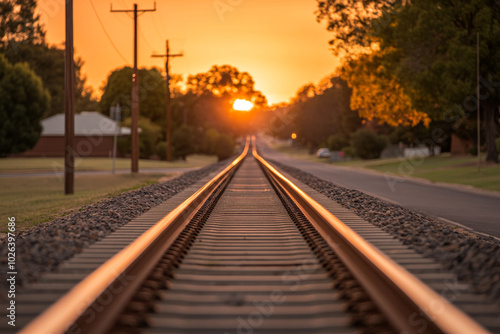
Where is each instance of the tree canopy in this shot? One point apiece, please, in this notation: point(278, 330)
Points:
point(317, 112)
point(211, 95)
point(22, 39)
point(427, 52)
point(23, 102)
point(378, 95)
point(19, 24)
point(118, 90)
point(227, 82)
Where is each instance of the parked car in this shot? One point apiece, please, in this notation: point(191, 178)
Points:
point(323, 153)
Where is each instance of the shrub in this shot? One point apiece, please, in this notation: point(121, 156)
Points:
point(211, 136)
point(367, 144)
point(182, 142)
point(472, 150)
point(161, 150)
point(224, 146)
point(337, 142)
point(349, 151)
point(149, 136)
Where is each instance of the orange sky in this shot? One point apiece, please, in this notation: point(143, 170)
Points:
point(278, 42)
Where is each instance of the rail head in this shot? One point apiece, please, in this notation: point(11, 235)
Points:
point(127, 269)
point(408, 303)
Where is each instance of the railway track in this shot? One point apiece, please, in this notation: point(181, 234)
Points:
point(249, 252)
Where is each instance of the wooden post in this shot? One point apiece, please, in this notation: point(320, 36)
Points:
point(69, 105)
point(167, 56)
point(135, 91)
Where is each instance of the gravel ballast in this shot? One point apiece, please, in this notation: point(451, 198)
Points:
point(44, 247)
point(475, 259)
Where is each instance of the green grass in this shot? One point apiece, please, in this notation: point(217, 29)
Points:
point(35, 199)
point(20, 165)
point(443, 168)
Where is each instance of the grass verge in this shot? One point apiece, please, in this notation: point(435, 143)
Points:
point(37, 199)
point(21, 165)
point(443, 168)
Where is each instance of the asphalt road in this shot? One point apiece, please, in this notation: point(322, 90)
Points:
point(477, 210)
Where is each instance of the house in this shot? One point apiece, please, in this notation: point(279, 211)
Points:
point(94, 135)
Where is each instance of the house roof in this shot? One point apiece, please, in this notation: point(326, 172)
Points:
point(87, 123)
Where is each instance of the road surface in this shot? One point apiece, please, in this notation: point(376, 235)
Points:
point(474, 209)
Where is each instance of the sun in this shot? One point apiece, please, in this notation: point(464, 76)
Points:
point(242, 105)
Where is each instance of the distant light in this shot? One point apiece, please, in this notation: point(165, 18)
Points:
point(242, 105)
point(294, 135)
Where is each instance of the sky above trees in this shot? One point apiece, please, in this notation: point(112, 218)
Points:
point(282, 46)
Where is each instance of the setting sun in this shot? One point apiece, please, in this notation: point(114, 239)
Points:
point(242, 105)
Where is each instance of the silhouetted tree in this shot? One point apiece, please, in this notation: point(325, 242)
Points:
point(211, 95)
point(118, 89)
point(22, 39)
point(149, 138)
point(19, 24)
point(23, 101)
point(228, 82)
point(318, 113)
point(182, 141)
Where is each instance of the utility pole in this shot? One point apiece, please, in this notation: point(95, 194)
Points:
point(478, 112)
point(135, 88)
point(69, 104)
point(167, 56)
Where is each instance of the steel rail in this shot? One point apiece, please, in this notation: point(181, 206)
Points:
point(410, 305)
point(121, 275)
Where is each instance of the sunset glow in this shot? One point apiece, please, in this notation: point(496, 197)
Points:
point(281, 47)
point(242, 105)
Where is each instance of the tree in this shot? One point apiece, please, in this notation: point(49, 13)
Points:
point(228, 82)
point(337, 142)
point(224, 147)
point(48, 63)
point(19, 24)
point(354, 23)
point(319, 112)
point(443, 50)
point(149, 138)
point(211, 97)
point(182, 141)
point(23, 102)
point(429, 47)
point(118, 89)
point(367, 144)
point(22, 39)
point(379, 95)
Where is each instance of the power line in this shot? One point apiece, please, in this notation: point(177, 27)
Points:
point(145, 39)
point(106, 33)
